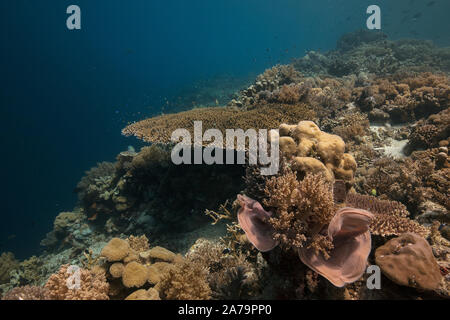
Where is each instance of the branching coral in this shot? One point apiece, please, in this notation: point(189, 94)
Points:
point(73, 283)
point(411, 181)
point(301, 207)
point(187, 281)
point(231, 275)
point(27, 293)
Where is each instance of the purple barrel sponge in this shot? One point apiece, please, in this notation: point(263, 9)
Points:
point(253, 219)
point(349, 231)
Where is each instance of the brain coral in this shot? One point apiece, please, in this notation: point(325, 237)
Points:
point(408, 261)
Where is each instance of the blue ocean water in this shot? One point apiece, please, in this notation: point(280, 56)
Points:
point(65, 95)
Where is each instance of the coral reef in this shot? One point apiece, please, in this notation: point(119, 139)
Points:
point(364, 179)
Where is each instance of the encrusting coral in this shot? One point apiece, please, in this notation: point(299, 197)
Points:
point(408, 260)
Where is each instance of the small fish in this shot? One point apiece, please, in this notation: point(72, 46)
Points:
point(431, 3)
point(417, 15)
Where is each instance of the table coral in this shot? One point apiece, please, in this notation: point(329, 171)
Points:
point(408, 261)
point(159, 129)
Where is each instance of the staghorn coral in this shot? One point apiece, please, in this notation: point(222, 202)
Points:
point(27, 293)
point(428, 133)
point(28, 272)
point(64, 285)
point(406, 97)
point(159, 129)
point(187, 281)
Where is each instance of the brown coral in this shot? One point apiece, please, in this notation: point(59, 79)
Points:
point(7, 263)
point(390, 217)
point(188, 281)
point(159, 129)
point(300, 206)
point(408, 260)
point(27, 293)
point(74, 283)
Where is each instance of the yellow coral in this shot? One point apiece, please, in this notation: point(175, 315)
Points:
point(134, 275)
point(116, 250)
point(142, 294)
point(314, 151)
